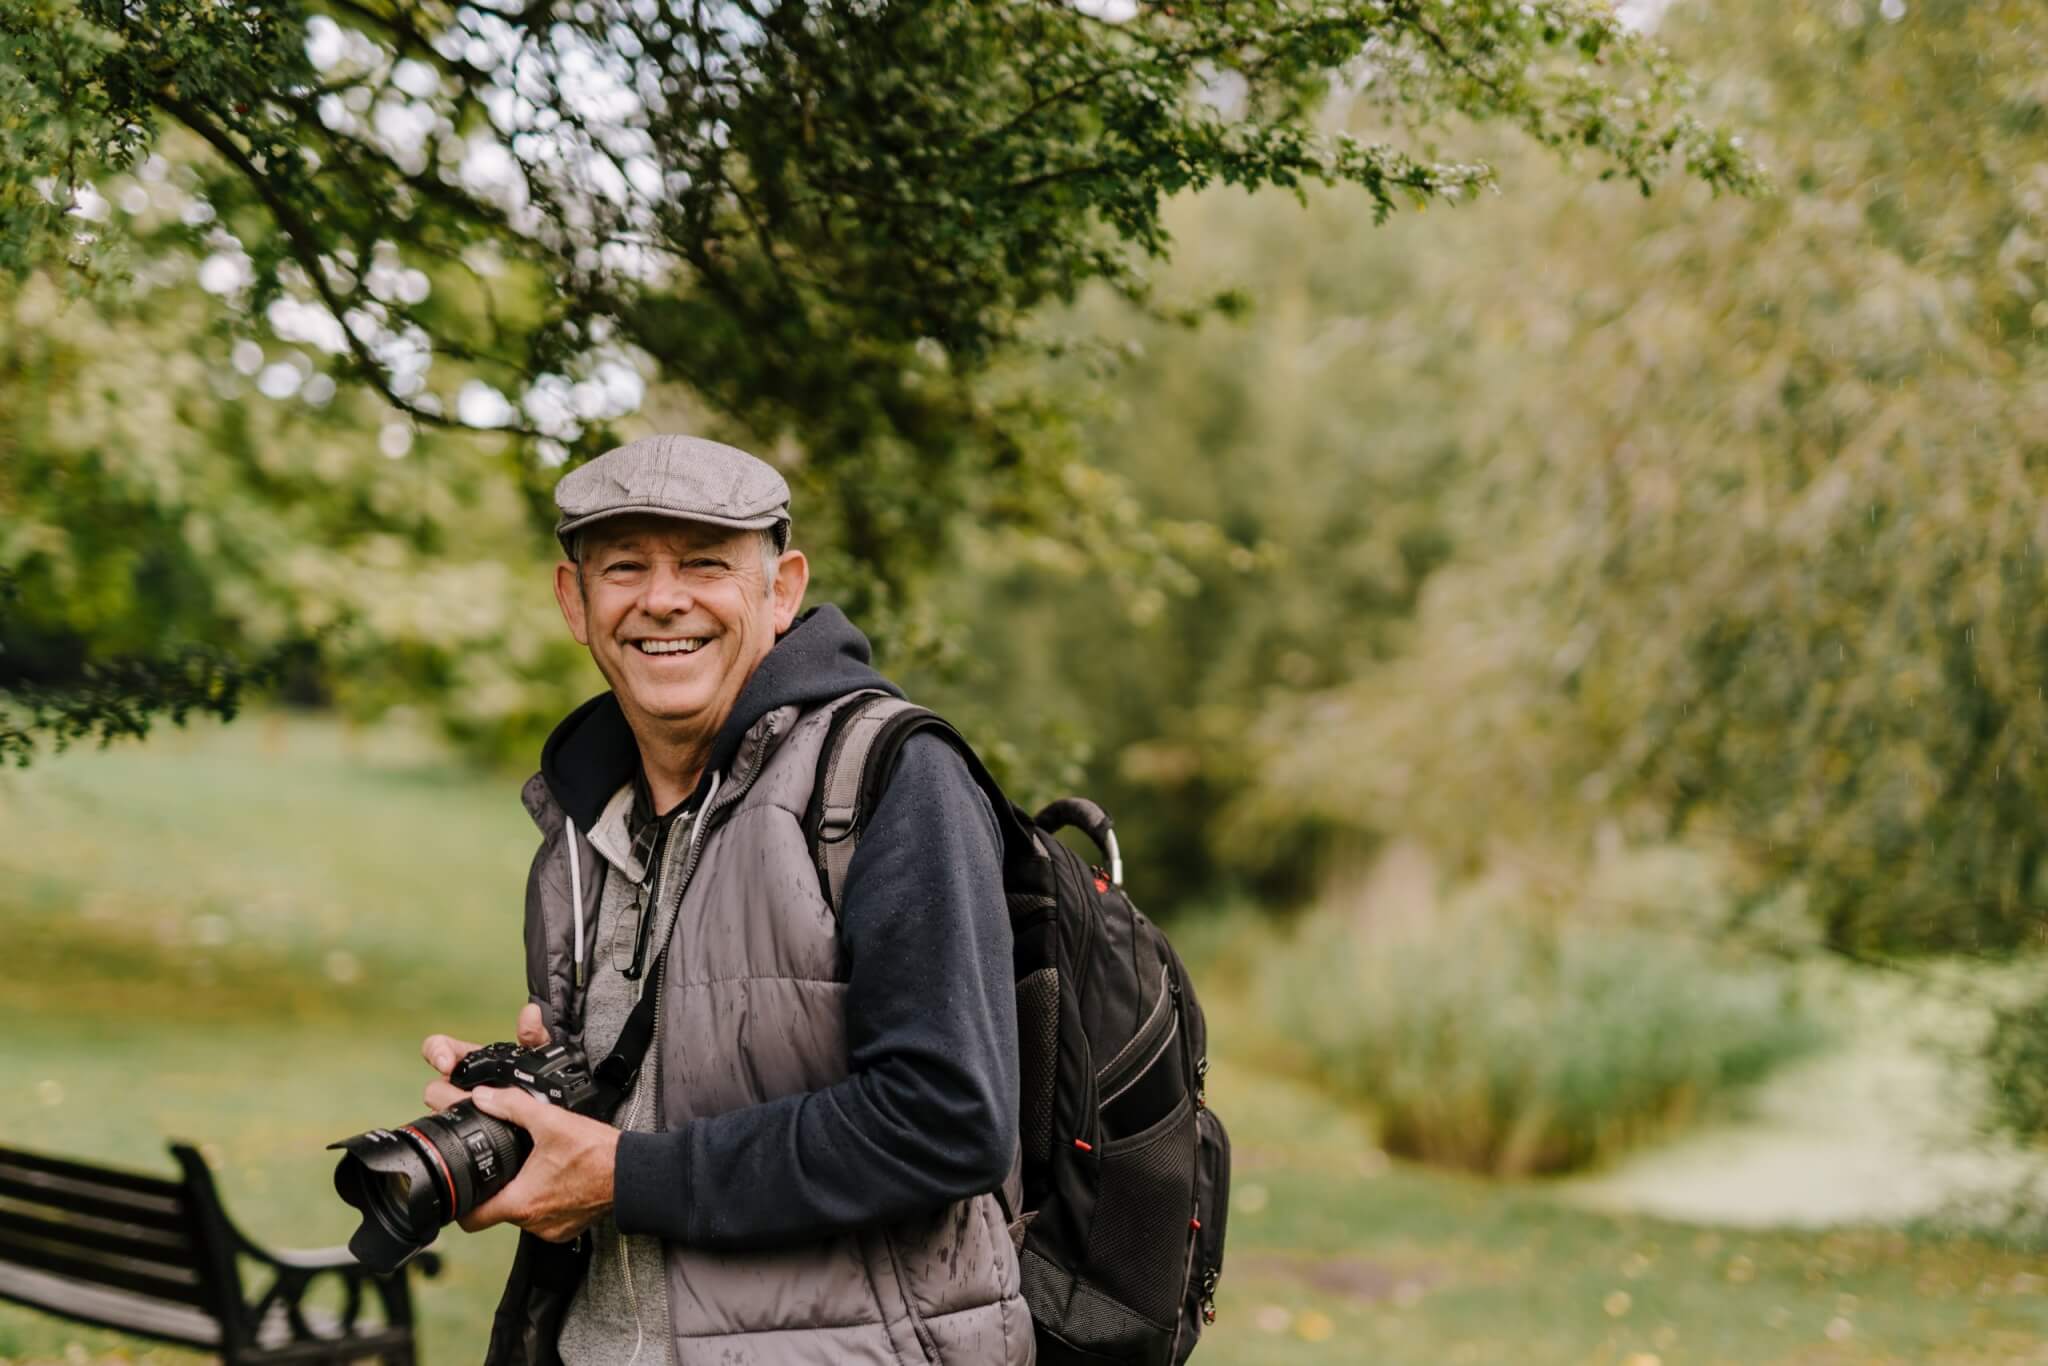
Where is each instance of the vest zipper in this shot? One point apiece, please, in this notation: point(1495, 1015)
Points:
point(717, 804)
point(637, 1099)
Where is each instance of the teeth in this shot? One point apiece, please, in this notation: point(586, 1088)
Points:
point(669, 647)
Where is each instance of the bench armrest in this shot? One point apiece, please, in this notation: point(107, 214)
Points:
point(291, 1271)
point(332, 1259)
point(294, 1271)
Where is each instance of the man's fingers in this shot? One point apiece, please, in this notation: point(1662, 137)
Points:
point(512, 1105)
point(441, 1093)
point(532, 1031)
point(505, 1207)
point(443, 1051)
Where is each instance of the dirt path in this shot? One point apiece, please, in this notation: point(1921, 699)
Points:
point(1879, 1129)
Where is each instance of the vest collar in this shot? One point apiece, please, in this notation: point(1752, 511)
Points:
point(612, 835)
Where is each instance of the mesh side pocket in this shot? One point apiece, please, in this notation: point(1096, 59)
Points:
point(1038, 1025)
point(1138, 1245)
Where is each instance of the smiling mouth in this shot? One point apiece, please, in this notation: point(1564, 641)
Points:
point(670, 647)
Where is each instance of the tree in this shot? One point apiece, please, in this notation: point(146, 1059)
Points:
point(1277, 483)
point(826, 220)
point(167, 493)
point(1755, 555)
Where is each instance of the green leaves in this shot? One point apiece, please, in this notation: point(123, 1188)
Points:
point(1753, 551)
point(815, 192)
point(821, 227)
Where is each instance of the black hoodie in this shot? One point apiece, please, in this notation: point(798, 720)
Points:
point(928, 1112)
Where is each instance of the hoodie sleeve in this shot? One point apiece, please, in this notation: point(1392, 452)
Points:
point(928, 1114)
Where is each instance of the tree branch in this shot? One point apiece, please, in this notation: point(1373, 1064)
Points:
point(299, 236)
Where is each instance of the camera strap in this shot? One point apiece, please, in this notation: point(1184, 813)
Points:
point(614, 1076)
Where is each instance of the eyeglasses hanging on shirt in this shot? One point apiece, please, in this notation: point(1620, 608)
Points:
point(630, 934)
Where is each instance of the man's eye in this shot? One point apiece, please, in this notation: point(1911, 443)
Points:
point(623, 567)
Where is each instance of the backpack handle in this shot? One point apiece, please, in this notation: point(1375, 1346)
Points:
point(1091, 820)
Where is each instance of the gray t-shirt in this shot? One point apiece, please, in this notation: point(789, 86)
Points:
point(619, 1316)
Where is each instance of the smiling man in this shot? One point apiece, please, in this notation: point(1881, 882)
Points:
point(803, 1169)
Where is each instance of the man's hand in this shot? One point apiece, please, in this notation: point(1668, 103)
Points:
point(566, 1184)
point(443, 1051)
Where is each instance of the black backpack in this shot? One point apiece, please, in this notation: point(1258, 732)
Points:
point(1118, 1208)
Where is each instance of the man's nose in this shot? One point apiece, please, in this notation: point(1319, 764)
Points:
point(668, 592)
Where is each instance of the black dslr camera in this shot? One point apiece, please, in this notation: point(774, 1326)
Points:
point(411, 1180)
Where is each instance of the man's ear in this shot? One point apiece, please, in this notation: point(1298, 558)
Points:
point(792, 577)
point(569, 597)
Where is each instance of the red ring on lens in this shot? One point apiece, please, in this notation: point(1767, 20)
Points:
point(439, 1161)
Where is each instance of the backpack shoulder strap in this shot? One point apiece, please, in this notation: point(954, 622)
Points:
point(854, 768)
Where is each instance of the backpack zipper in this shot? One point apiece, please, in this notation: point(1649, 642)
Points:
point(1116, 1074)
point(1138, 1072)
point(1180, 1317)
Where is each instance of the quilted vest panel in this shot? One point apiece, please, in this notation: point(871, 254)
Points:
point(752, 1010)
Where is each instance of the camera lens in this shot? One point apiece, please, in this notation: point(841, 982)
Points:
point(410, 1181)
point(386, 1196)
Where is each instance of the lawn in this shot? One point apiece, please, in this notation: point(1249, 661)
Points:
point(238, 936)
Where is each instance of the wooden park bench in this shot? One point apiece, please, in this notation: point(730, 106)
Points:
point(159, 1258)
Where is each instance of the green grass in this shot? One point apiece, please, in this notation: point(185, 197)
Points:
point(173, 914)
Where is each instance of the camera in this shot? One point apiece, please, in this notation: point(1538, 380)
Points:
point(411, 1180)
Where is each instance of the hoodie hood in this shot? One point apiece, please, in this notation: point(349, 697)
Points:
point(821, 657)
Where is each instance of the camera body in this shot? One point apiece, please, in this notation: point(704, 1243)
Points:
point(555, 1072)
point(411, 1180)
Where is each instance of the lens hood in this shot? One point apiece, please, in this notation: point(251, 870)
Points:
point(397, 1181)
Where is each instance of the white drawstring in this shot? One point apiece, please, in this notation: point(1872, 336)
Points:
point(633, 1299)
point(697, 825)
point(576, 897)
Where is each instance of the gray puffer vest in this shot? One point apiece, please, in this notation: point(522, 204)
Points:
point(751, 1009)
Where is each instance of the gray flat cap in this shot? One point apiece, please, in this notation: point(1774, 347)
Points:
point(685, 477)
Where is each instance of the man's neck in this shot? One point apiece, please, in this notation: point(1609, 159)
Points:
point(671, 763)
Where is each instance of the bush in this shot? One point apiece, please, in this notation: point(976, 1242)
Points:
point(1515, 1044)
point(2016, 1060)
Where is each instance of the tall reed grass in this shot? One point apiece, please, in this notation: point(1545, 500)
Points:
point(1527, 1043)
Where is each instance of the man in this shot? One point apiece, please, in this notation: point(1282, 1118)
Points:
point(803, 1169)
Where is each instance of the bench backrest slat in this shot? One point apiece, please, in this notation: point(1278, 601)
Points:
point(105, 1227)
point(167, 1212)
point(26, 1163)
point(94, 1234)
point(159, 1280)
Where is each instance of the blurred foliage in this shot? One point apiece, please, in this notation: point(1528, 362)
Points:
point(1277, 487)
point(1594, 522)
point(2016, 1053)
point(823, 222)
point(1751, 550)
point(1490, 1037)
point(1580, 520)
point(154, 508)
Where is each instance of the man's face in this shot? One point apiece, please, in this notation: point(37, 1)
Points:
point(677, 614)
